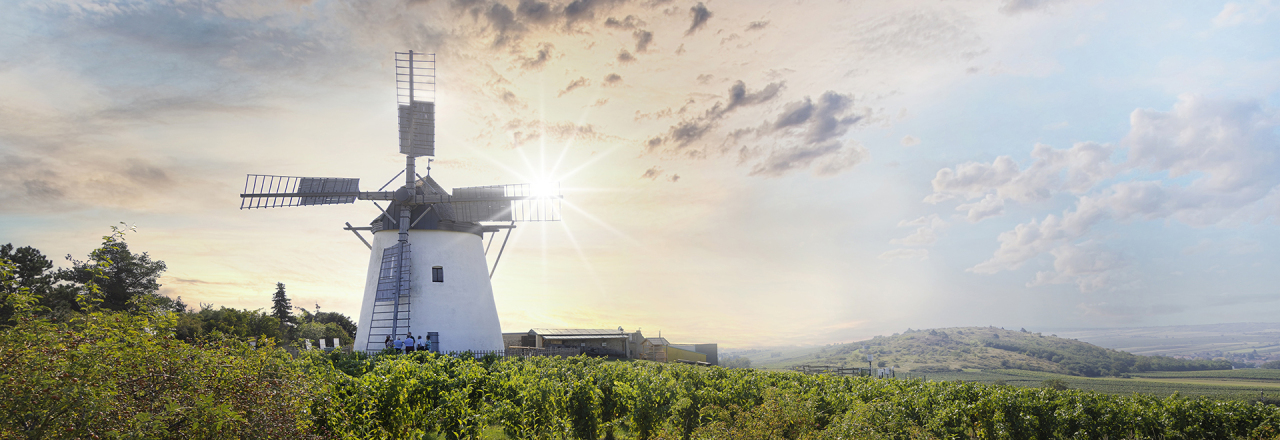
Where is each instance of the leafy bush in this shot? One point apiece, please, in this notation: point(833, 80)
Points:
point(1055, 384)
point(105, 373)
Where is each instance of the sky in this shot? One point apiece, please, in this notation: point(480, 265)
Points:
point(748, 173)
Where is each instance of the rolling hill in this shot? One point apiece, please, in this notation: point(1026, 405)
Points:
point(961, 348)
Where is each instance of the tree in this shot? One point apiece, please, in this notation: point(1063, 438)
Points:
point(326, 331)
point(281, 307)
point(228, 322)
point(29, 270)
point(1057, 384)
point(343, 322)
point(736, 362)
point(125, 277)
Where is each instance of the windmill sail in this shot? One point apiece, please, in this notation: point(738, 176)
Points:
point(394, 275)
point(481, 211)
point(391, 307)
point(266, 191)
point(415, 94)
point(418, 129)
point(533, 204)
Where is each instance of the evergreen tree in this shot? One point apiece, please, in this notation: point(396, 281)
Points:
point(123, 275)
point(281, 308)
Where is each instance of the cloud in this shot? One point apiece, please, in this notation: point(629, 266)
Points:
point(1233, 142)
point(612, 79)
point(1087, 266)
point(927, 36)
point(503, 20)
point(145, 173)
point(1251, 12)
point(1077, 169)
point(1223, 152)
point(1019, 6)
point(757, 25)
point(700, 15)
point(643, 39)
point(821, 121)
point(989, 206)
point(575, 84)
point(539, 58)
point(535, 11)
point(925, 233)
point(827, 159)
point(630, 22)
point(692, 130)
point(582, 10)
point(909, 140)
point(905, 254)
point(625, 57)
point(652, 173)
point(523, 131)
point(805, 135)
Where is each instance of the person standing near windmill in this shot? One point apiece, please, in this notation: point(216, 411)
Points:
point(409, 343)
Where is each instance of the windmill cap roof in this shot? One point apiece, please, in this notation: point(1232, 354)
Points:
point(441, 216)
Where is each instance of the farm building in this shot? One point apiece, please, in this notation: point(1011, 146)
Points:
point(614, 343)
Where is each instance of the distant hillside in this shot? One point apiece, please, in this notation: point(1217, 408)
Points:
point(1245, 344)
point(953, 349)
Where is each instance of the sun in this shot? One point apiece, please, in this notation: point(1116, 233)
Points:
point(545, 189)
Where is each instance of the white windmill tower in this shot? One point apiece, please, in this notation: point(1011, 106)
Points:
point(428, 272)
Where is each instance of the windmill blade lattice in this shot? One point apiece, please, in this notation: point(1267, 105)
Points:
point(493, 203)
point(267, 191)
point(415, 94)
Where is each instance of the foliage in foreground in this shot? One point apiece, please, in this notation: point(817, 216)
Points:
point(412, 396)
point(121, 374)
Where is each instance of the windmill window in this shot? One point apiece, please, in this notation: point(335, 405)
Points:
point(437, 274)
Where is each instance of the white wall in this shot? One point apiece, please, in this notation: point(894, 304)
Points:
point(461, 308)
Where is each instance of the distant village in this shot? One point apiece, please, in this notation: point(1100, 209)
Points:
point(1240, 360)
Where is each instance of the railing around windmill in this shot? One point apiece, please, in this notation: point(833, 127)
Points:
point(508, 352)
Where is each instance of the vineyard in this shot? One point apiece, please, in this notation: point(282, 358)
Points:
point(1239, 385)
point(124, 374)
point(422, 394)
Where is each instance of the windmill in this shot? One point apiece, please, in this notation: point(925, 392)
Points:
point(423, 230)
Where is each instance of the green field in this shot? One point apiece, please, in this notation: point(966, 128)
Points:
point(1242, 385)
